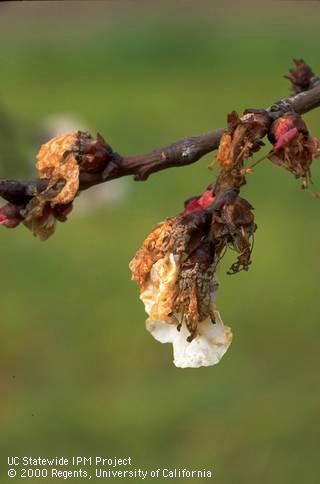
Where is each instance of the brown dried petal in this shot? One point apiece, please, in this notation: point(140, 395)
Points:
point(293, 148)
point(155, 246)
point(42, 229)
point(39, 218)
point(56, 161)
point(296, 156)
point(234, 226)
point(239, 213)
point(223, 156)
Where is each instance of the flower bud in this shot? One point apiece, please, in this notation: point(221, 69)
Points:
point(10, 215)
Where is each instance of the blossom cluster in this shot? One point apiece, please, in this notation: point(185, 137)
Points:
point(176, 270)
point(60, 161)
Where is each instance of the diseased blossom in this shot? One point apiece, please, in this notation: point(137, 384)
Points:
point(60, 162)
point(293, 147)
point(242, 139)
point(175, 270)
point(41, 219)
point(301, 76)
point(64, 157)
point(43, 225)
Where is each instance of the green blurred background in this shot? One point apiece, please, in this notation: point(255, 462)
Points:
point(79, 373)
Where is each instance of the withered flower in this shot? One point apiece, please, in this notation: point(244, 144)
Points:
point(175, 270)
point(293, 148)
point(242, 138)
point(41, 218)
point(301, 76)
point(63, 157)
point(43, 224)
point(240, 141)
point(60, 161)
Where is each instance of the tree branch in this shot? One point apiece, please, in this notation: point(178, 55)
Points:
point(181, 153)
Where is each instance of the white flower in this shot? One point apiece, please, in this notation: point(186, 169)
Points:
point(206, 349)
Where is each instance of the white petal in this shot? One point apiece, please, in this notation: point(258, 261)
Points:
point(206, 349)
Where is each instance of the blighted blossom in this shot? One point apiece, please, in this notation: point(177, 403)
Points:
point(178, 293)
point(176, 272)
point(301, 76)
point(60, 161)
point(293, 148)
point(242, 138)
